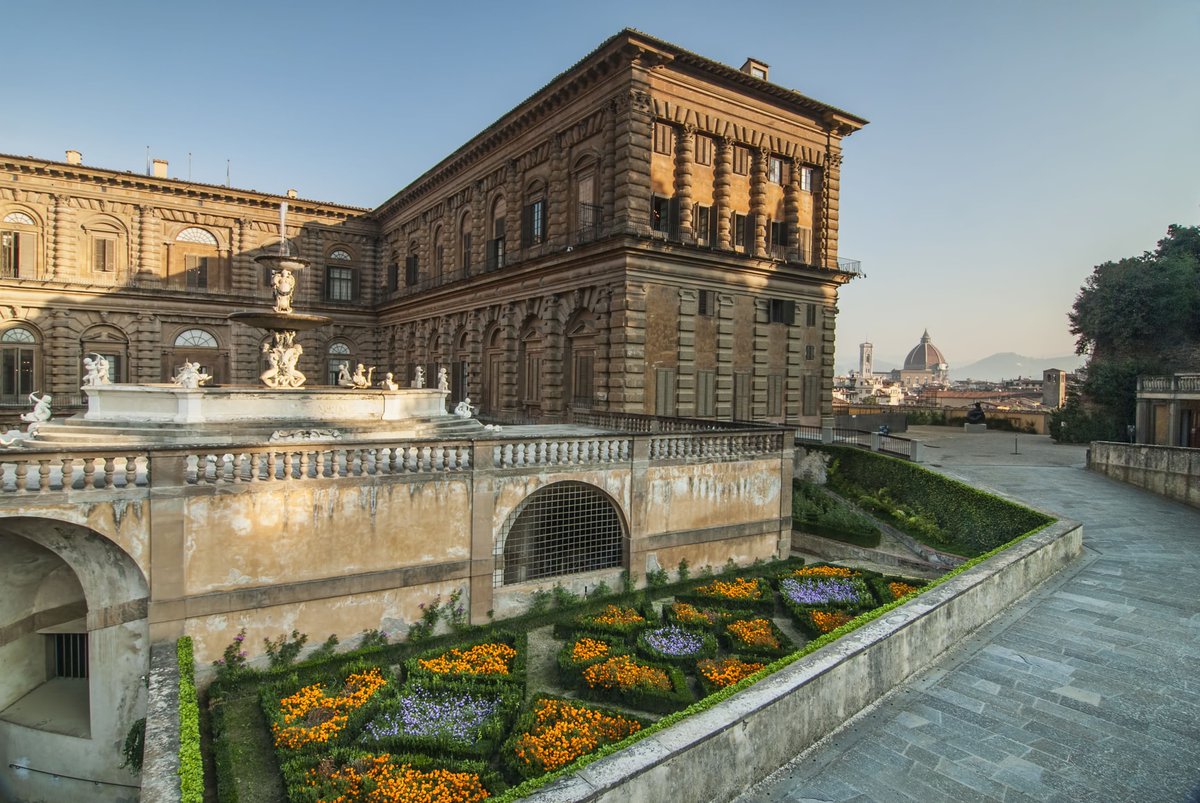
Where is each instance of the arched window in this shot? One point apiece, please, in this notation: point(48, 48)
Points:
point(199, 346)
point(495, 245)
point(579, 365)
point(494, 359)
point(564, 528)
point(20, 365)
point(195, 260)
point(339, 355)
point(412, 264)
point(464, 243)
point(18, 246)
point(529, 362)
point(111, 344)
point(341, 277)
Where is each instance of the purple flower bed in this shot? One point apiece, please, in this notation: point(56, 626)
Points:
point(421, 712)
point(674, 641)
point(820, 591)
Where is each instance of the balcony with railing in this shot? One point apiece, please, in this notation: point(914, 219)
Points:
point(1177, 384)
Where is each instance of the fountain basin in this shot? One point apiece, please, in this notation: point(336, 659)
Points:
point(281, 321)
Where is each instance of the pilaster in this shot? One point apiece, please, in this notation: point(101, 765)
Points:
point(828, 204)
point(685, 155)
point(246, 277)
point(558, 192)
point(758, 202)
point(722, 192)
point(725, 313)
point(791, 212)
point(685, 399)
point(634, 133)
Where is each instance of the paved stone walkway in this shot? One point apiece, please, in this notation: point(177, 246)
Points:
point(1087, 690)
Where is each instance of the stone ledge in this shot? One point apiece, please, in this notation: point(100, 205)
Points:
point(718, 753)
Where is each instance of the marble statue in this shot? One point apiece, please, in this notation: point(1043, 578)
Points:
point(419, 377)
point(443, 380)
point(362, 376)
point(344, 379)
point(190, 376)
point(95, 370)
point(41, 409)
point(282, 356)
point(283, 284)
point(464, 409)
point(388, 383)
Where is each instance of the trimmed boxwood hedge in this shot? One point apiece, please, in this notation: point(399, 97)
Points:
point(881, 586)
point(716, 617)
point(527, 722)
point(765, 604)
point(736, 645)
point(296, 771)
point(708, 646)
point(587, 621)
point(973, 521)
point(518, 641)
point(646, 699)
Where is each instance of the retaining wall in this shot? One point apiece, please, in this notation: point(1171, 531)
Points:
point(717, 754)
point(1170, 471)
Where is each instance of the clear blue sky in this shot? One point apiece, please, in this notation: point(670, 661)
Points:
point(1012, 146)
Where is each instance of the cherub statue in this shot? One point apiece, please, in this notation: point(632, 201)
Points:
point(443, 380)
point(96, 370)
point(362, 376)
point(388, 383)
point(190, 376)
point(41, 409)
point(464, 409)
point(344, 379)
point(283, 284)
point(419, 377)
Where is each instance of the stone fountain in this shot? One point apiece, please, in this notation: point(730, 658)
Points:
point(186, 412)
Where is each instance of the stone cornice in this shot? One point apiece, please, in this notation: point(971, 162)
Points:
point(174, 189)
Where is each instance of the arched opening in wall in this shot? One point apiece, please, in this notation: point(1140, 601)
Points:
point(195, 261)
point(579, 364)
point(20, 365)
point(459, 367)
point(564, 528)
point(199, 346)
point(20, 235)
point(111, 344)
point(342, 281)
point(74, 645)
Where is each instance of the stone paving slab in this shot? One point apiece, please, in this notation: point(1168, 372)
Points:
point(1086, 690)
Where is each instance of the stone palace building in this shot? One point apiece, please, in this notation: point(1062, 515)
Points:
point(650, 232)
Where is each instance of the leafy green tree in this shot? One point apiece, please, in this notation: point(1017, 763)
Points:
point(1130, 317)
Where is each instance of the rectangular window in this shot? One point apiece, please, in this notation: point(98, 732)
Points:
point(533, 223)
point(70, 655)
point(664, 138)
point(806, 179)
point(104, 255)
point(812, 395)
point(664, 391)
point(782, 311)
point(810, 352)
point(706, 393)
point(702, 220)
point(412, 270)
point(775, 170)
point(10, 254)
point(465, 248)
point(804, 245)
point(16, 373)
point(339, 284)
point(777, 234)
point(741, 160)
point(195, 272)
point(775, 395)
point(706, 303)
point(393, 280)
point(532, 380)
point(810, 314)
point(741, 396)
point(494, 259)
point(739, 231)
point(704, 150)
point(583, 379)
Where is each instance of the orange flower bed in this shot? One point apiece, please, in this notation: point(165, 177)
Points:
point(624, 673)
point(482, 659)
point(311, 716)
point(899, 589)
point(377, 780)
point(826, 622)
point(754, 633)
point(588, 648)
point(563, 732)
point(616, 615)
point(726, 671)
point(824, 571)
point(687, 614)
point(740, 588)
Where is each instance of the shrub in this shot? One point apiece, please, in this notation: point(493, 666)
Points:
point(625, 680)
point(759, 636)
point(432, 716)
point(233, 661)
point(283, 650)
point(191, 765)
point(499, 658)
point(753, 593)
point(816, 511)
point(676, 645)
point(556, 731)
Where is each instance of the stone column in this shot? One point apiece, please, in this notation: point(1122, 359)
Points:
point(602, 306)
point(722, 184)
point(828, 325)
point(553, 398)
point(828, 204)
point(483, 513)
point(65, 238)
point(685, 158)
point(150, 269)
point(758, 200)
point(627, 352)
point(479, 228)
point(634, 138)
point(791, 211)
point(246, 275)
point(607, 166)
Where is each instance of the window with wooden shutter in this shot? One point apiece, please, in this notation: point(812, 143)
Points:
point(812, 395)
point(664, 391)
point(104, 255)
point(774, 395)
point(195, 272)
point(706, 393)
point(741, 160)
point(704, 150)
point(664, 138)
point(782, 311)
point(741, 396)
point(804, 245)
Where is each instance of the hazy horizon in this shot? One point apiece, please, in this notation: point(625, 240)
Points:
point(1011, 146)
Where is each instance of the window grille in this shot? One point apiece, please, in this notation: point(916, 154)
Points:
point(70, 655)
point(195, 235)
point(564, 528)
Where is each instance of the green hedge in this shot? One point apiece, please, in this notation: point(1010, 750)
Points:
point(971, 521)
point(816, 511)
point(191, 765)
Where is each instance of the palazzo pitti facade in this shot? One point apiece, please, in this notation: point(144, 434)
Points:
point(650, 232)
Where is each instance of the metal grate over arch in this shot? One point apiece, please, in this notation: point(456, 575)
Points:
point(564, 528)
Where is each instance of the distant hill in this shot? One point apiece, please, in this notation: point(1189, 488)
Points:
point(1007, 365)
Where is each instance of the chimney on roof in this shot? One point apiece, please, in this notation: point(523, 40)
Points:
point(291, 193)
point(160, 168)
point(756, 69)
point(74, 158)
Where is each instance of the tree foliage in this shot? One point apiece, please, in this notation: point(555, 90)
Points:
point(1131, 317)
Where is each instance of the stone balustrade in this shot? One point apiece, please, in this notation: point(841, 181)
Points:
point(560, 452)
point(42, 472)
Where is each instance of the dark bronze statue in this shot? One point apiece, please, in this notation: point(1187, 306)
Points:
point(975, 415)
